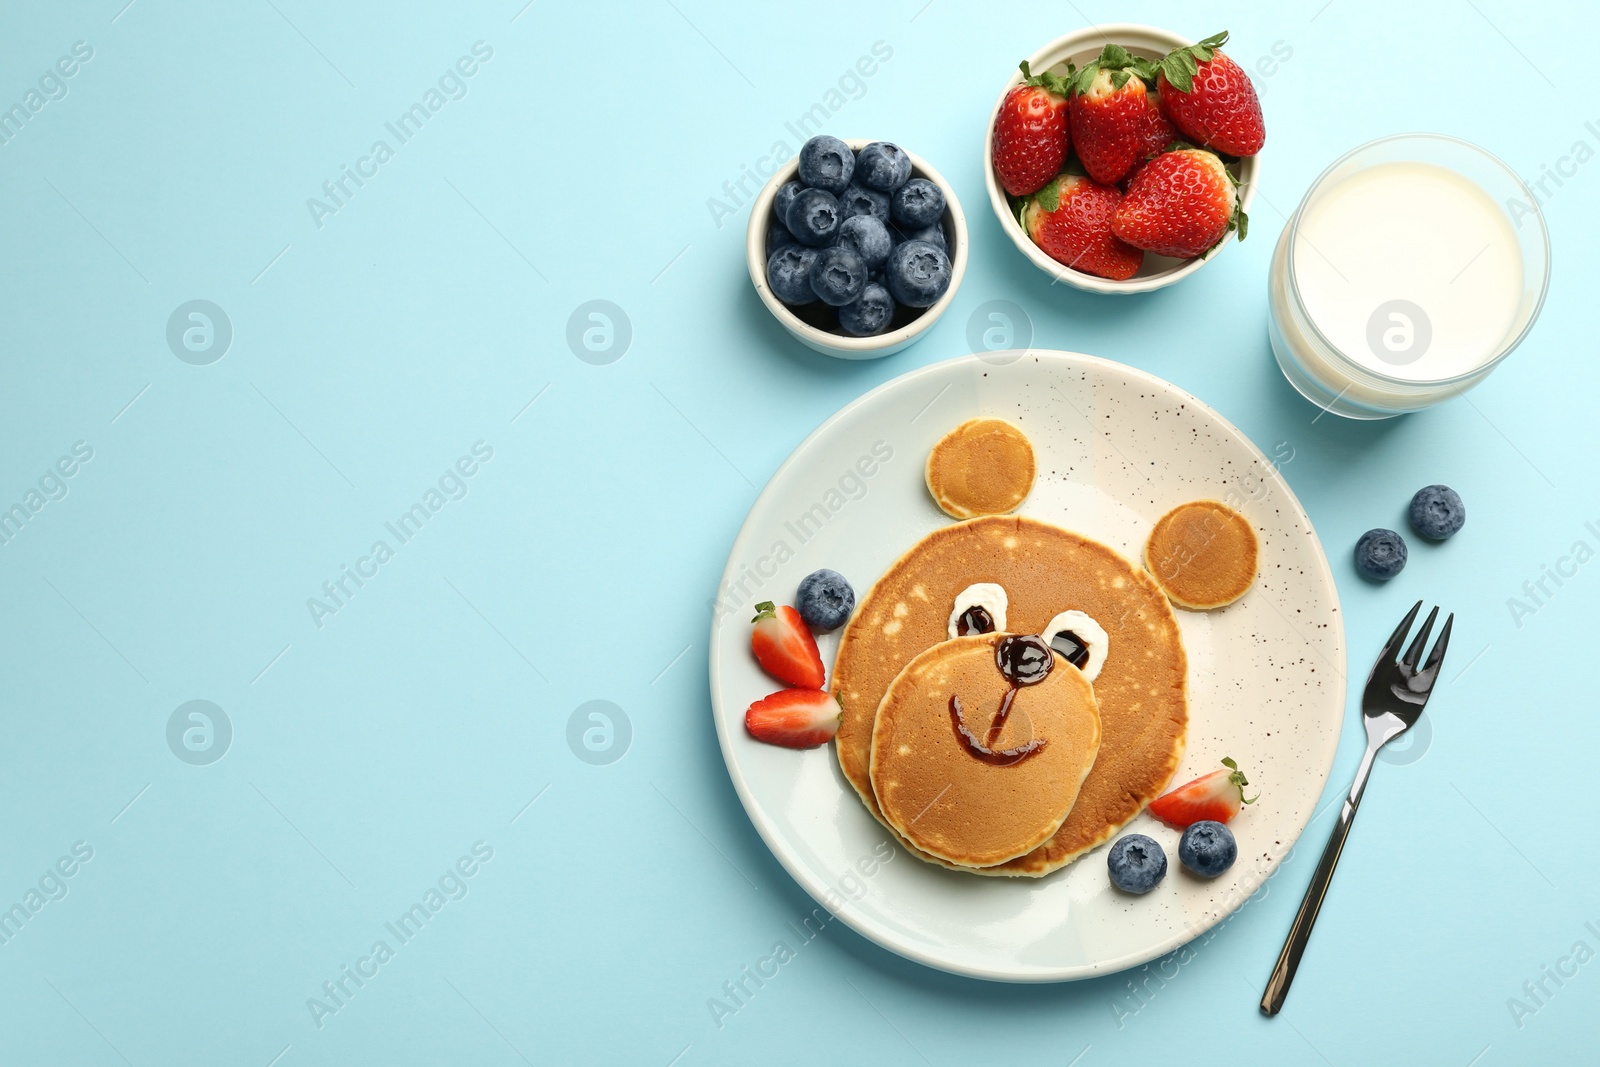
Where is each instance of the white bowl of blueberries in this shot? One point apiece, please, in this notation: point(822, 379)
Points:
point(856, 247)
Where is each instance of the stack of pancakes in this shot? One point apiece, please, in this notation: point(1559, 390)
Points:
point(1109, 749)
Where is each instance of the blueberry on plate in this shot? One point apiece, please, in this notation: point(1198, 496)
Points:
point(783, 198)
point(824, 600)
point(918, 273)
point(869, 237)
point(859, 200)
point(826, 163)
point(789, 274)
point(869, 314)
point(883, 166)
point(813, 217)
point(1437, 512)
point(838, 276)
point(1136, 863)
point(778, 235)
point(934, 235)
point(1207, 848)
point(1380, 554)
point(916, 204)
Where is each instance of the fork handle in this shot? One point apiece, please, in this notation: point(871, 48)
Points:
point(1294, 946)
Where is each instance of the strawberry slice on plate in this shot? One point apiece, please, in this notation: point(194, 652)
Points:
point(784, 646)
point(1217, 796)
point(794, 718)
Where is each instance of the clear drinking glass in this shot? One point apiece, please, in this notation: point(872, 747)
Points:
point(1413, 266)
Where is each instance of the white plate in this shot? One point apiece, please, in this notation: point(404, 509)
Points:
point(1116, 448)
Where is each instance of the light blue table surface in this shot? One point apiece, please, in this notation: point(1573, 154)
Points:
point(423, 315)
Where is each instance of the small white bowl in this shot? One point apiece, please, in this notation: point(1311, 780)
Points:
point(1147, 42)
point(843, 345)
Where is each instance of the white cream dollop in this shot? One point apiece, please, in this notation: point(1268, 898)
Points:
point(985, 595)
point(1089, 632)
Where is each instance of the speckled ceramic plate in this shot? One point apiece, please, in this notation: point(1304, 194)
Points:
point(1116, 448)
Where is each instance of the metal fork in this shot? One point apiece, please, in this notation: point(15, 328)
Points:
point(1391, 704)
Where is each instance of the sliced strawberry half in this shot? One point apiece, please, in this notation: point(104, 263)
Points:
point(794, 718)
point(784, 647)
point(1217, 796)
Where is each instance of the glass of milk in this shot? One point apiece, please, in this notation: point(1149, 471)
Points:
point(1413, 266)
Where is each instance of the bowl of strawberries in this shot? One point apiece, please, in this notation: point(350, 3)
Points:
point(1121, 159)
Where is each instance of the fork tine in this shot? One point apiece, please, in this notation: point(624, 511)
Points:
point(1391, 648)
point(1436, 657)
point(1420, 642)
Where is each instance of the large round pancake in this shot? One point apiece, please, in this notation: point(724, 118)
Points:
point(1203, 554)
point(1044, 570)
point(945, 800)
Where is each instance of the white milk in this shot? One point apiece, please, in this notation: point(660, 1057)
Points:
point(1410, 270)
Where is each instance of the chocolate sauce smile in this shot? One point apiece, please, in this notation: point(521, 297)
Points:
point(1023, 659)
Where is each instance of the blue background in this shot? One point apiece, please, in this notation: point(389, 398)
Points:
point(368, 354)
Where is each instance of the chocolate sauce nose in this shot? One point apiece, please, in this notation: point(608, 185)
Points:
point(1024, 659)
point(975, 620)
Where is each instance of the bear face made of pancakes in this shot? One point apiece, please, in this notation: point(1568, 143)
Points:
point(899, 653)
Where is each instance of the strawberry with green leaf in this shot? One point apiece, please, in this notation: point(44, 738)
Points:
point(1109, 109)
point(1030, 132)
point(1210, 99)
point(1070, 219)
point(1180, 204)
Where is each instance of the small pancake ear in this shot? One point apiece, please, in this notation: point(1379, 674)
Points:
point(1203, 555)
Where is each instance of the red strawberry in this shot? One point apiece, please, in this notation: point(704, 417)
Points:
point(1180, 204)
point(1071, 220)
point(784, 647)
point(1217, 796)
point(794, 718)
point(1108, 113)
point(1155, 134)
point(1030, 133)
point(1210, 99)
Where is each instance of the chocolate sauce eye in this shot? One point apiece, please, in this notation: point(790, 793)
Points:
point(975, 620)
point(1073, 649)
point(1024, 659)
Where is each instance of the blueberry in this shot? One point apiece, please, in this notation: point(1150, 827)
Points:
point(1207, 848)
point(934, 235)
point(1380, 554)
point(789, 274)
point(785, 196)
point(883, 166)
point(1136, 863)
point(824, 600)
point(1437, 512)
point(870, 314)
point(838, 276)
point(859, 200)
point(916, 204)
point(869, 237)
point(826, 163)
point(813, 217)
point(918, 272)
point(778, 235)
